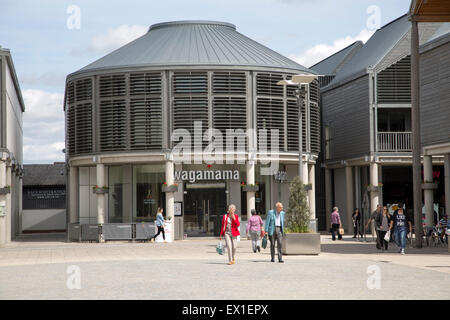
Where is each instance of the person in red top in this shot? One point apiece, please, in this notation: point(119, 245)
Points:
point(230, 229)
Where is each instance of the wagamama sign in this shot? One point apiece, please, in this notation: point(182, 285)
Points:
point(198, 175)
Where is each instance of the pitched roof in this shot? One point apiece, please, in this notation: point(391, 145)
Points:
point(183, 43)
point(44, 174)
point(332, 64)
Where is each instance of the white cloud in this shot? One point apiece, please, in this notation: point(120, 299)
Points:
point(116, 37)
point(43, 126)
point(323, 50)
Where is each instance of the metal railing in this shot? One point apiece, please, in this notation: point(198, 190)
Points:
point(394, 141)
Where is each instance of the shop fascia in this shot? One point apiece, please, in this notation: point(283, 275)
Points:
point(200, 175)
point(218, 152)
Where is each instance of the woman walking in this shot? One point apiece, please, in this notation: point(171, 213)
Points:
point(335, 224)
point(255, 224)
point(230, 229)
point(160, 224)
point(383, 226)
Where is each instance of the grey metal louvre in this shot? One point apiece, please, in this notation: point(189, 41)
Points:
point(270, 116)
point(292, 124)
point(113, 126)
point(145, 124)
point(83, 129)
point(266, 84)
point(145, 83)
point(70, 93)
point(190, 83)
point(314, 114)
point(83, 89)
point(314, 91)
point(186, 110)
point(70, 111)
point(230, 113)
point(229, 83)
point(112, 86)
point(394, 83)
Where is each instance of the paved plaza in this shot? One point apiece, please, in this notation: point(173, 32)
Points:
point(43, 267)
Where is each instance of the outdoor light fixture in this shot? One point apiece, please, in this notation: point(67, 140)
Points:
point(299, 80)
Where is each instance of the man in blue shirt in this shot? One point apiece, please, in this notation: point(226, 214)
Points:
point(274, 227)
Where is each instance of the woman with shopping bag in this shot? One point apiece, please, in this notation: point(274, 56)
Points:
point(255, 226)
point(230, 229)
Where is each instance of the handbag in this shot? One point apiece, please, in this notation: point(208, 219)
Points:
point(341, 231)
point(264, 242)
point(387, 236)
point(219, 248)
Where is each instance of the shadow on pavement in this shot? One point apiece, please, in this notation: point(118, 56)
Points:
point(370, 248)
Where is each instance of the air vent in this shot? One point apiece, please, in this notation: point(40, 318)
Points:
point(394, 83)
point(112, 86)
point(190, 83)
point(314, 113)
point(145, 83)
point(266, 84)
point(83, 90)
point(70, 93)
point(229, 83)
point(113, 127)
point(270, 116)
point(70, 111)
point(230, 113)
point(145, 124)
point(83, 128)
point(292, 123)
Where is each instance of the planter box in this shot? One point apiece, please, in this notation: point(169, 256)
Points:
point(117, 231)
point(247, 188)
point(100, 190)
point(5, 190)
point(301, 243)
point(74, 230)
point(171, 188)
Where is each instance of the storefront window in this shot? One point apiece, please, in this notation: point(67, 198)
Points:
point(147, 195)
point(115, 194)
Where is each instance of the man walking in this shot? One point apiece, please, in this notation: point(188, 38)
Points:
point(274, 228)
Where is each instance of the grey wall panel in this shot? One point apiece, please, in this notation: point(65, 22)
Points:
point(435, 95)
point(346, 112)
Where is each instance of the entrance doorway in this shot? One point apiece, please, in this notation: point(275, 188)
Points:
point(204, 205)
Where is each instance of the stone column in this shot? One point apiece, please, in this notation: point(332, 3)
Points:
point(374, 194)
point(170, 198)
point(312, 194)
point(349, 201)
point(250, 194)
point(100, 196)
point(9, 204)
point(3, 204)
point(447, 187)
point(328, 196)
point(73, 194)
point(305, 172)
point(428, 192)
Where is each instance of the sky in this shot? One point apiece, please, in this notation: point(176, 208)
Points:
point(50, 39)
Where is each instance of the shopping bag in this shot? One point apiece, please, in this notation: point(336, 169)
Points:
point(341, 231)
point(219, 248)
point(387, 236)
point(264, 242)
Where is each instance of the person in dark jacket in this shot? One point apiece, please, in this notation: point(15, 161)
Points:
point(356, 218)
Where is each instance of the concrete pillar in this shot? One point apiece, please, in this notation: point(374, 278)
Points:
point(305, 172)
point(3, 204)
point(100, 197)
point(447, 187)
point(73, 195)
point(380, 181)
point(251, 204)
point(349, 200)
point(312, 193)
point(428, 193)
point(170, 198)
point(374, 194)
point(9, 204)
point(328, 196)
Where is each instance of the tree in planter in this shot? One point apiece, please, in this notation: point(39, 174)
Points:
point(297, 216)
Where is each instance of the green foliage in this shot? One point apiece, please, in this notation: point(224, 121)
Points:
point(297, 216)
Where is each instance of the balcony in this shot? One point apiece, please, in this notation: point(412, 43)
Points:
point(394, 142)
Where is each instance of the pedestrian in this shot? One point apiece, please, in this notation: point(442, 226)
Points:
point(400, 223)
point(383, 225)
point(335, 224)
point(255, 225)
point(376, 215)
point(356, 218)
point(275, 228)
point(160, 224)
point(230, 229)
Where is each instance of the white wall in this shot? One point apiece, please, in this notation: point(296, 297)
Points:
point(14, 119)
point(35, 220)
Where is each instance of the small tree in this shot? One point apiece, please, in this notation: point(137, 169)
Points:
point(297, 216)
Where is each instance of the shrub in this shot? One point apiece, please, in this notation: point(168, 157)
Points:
point(297, 216)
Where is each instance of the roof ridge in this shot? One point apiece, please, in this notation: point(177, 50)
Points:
point(352, 44)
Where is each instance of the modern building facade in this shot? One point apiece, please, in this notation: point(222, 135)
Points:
point(44, 198)
point(11, 158)
point(366, 109)
point(130, 113)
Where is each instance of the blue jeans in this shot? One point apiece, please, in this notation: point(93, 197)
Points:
point(400, 238)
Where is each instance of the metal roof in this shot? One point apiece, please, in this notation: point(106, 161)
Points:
point(195, 43)
point(44, 174)
point(332, 64)
point(380, 44)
